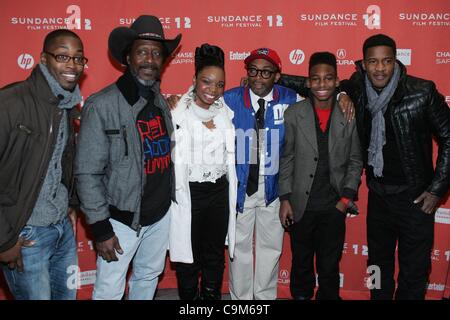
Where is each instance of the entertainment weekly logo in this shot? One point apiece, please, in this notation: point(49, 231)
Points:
point(236, 55)
point(252, 21)
point(167, 22)
point(371, 18)
point(72, 21)
point(425, 19)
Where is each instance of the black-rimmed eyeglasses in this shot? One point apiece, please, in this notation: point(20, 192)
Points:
point(265, 74)
point(62, 58)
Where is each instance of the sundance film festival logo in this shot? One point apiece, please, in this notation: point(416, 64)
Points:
point(442, 57)
point(334, 19)
point(25, 61)
point(297, 56)
point(341, 55)
point(372, 18)
point(436, 255)
point(246, 21)
point(73, 21)
point(426, 19)
point(404, 55)
point(167, 22)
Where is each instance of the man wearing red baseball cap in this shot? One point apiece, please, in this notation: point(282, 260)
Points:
point(258, 119)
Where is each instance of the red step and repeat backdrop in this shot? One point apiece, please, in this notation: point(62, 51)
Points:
point(295, 28)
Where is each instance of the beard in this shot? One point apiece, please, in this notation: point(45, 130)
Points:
point(144, 82)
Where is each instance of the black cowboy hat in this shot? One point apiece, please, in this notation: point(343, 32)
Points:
point(145, 27)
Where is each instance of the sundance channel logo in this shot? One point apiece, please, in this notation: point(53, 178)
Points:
point(425, 19)
point(442, 216)
point(167, 22)
point(73, 21)
point(252, 21)
point(404, 55)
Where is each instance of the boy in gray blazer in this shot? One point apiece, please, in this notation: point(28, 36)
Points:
point(320, 172)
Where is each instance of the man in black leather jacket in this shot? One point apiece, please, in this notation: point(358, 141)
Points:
point(405, 113)
point(397, 116)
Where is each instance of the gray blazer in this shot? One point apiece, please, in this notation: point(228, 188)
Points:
point(297, 164)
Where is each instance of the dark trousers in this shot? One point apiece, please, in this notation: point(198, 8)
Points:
point(319, 233)
point(209, 227)
point(392, 218)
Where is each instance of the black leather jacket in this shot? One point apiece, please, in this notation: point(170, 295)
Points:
point(418, 112)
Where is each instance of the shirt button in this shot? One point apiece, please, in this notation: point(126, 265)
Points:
point(54, 195)
point(307, 192)
point(315, 159)
point(311, 175)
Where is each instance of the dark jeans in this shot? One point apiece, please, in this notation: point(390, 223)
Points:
point(393, 218)
point(321, 233)
point(209, 226)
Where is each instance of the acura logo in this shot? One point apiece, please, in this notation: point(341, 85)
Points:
point(341, 53)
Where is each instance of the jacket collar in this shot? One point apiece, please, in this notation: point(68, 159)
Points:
point(129, 89)
point(248, 100)
point(41, 87)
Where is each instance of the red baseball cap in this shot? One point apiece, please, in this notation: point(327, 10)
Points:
point(266, 54)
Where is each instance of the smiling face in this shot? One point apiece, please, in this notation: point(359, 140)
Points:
point(68, 73)
point(260, 86)
point(146, 59)
point(322, 81)
point(209, 86)
point(379, 65)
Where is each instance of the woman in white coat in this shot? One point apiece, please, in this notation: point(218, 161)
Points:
point(205, 210)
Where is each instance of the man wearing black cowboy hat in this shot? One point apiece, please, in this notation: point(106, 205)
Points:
point(123, 166)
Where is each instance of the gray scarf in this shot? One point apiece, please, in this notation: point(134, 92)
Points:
point(377, 105)
point(71, 98)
